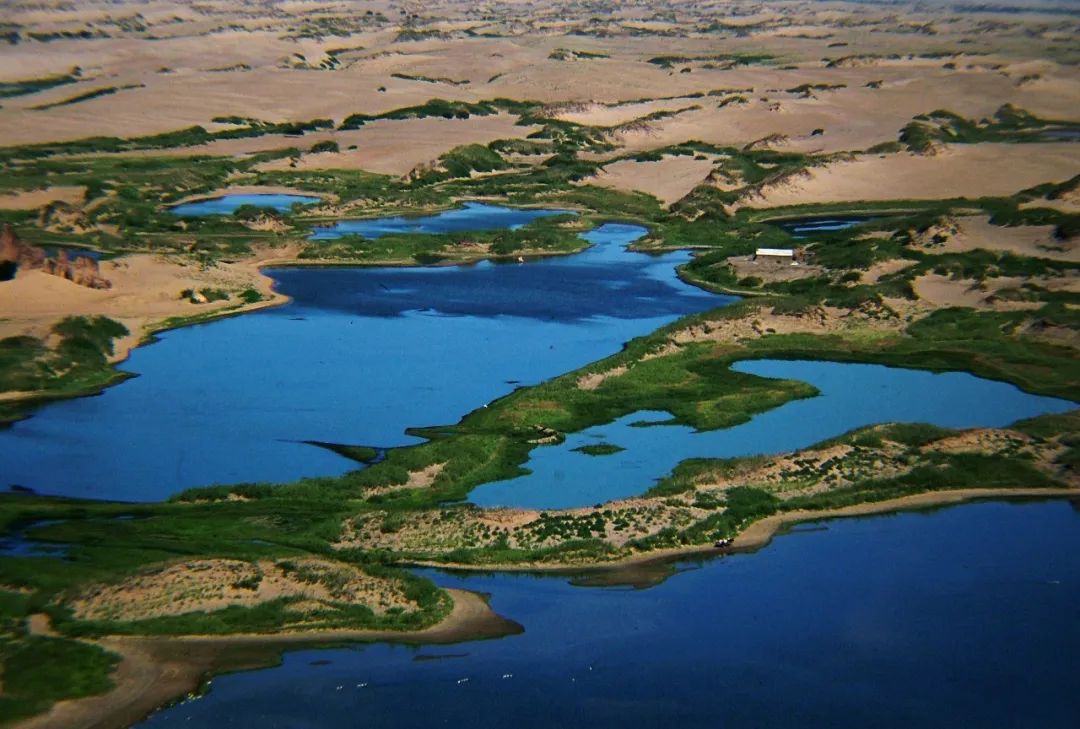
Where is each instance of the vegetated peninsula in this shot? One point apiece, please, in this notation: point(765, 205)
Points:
point(875, 187)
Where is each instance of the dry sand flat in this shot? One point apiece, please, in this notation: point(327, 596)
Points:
point(34, 199)
point(145, 291)
point(942, 291)
point(970, 170)
point(186, 80)
point(1037, 241)
point(668, 179)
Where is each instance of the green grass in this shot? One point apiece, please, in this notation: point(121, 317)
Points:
point(599, 449)
point(1009, 124)
point(9, 89)
point(39, 671)
point(85, 96)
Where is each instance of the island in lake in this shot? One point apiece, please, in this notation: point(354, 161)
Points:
point(363, 357)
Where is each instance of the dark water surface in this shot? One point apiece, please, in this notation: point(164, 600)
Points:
point(965, 617)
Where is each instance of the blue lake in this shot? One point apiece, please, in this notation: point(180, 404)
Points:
point(362, 354)
point(470, 216)
point(852, 395)
point(228, 204)
point(357, 357)
point(961, 617)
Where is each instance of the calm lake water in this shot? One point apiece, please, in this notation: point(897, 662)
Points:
point(852, 395)
point(228, 204)
point(357, 357)
point(962, 617)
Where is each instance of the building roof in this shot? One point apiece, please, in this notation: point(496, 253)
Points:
point(788, 252)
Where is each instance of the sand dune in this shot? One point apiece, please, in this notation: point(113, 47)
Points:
point(959, 171)
point(668, 179)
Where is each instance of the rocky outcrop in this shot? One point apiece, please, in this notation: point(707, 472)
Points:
point(81, 270)
point(12, 249)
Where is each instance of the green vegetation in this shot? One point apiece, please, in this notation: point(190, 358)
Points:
point(691, 380)
point(433, 108)
point(1009, 124)
point(711, 61)
point(599, 449)
point(566, 54)
point(39, 671)
point(9, 89)
point(429, 79)
point(76, 365)
point(86, 96)
point(548, 235)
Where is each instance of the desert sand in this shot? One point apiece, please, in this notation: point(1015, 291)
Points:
point(972, 170)
point(145, 292)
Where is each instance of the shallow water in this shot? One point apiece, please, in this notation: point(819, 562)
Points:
point(228, 204)
point(19, 544)
point(806, 227)
point(356, 358)
point(852, 395)
point(961, 617)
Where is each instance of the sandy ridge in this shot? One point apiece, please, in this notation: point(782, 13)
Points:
point(761, 532)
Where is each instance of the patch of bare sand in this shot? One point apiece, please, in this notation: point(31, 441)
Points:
point(976, 232)
point(969, 170)
point(34, 199)
point(425, 476)
point(206, 585)
point(595, 379)
point(942, 291)
point(145, 291)
point(668, 179)
point(885, 268)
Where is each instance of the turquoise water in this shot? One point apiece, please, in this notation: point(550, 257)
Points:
point(359, 355)
point(852, 395)
point(964, 617)
point(228, 204)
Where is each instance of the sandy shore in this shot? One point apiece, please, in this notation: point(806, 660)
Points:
point(144, 297)
point(760, 533)
point(155, 671)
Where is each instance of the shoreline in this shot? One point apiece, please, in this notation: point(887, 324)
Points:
point(760, 533)
point(158, 671)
